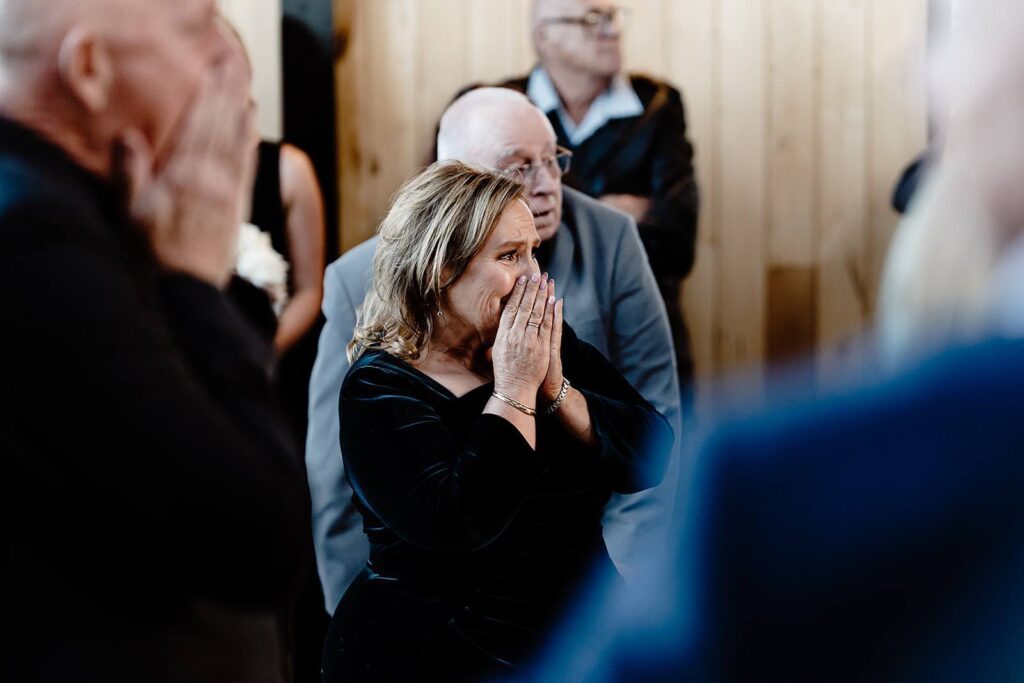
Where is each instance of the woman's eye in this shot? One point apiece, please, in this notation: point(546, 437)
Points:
point(510, 256)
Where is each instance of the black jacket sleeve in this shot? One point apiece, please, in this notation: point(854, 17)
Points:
point(634, 439)
point(431, 488)
point(140, 419)
point(669, 230)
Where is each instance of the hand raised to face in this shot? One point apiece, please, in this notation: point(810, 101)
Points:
point(191, 204)
point(522, 346)
point(552, 384)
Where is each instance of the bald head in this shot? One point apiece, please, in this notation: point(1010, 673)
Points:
point(31, 32)
point(26, 25)
point(479, 126)
point(83, 72)
point(500, 129)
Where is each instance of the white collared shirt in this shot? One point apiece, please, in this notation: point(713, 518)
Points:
point(619, 101)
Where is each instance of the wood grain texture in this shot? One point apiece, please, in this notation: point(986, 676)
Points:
point(792, 157)
point(802, 113)
point(693, 29)
point(348, 86)
point(791, 332)
point(259, 24)
point(845, 305)
point(743, 167)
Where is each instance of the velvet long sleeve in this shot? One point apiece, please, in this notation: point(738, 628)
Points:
point(476, 540)
point(634, 440)
point(669, 230)
point(427, 486)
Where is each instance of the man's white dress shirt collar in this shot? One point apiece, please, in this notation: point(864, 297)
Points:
point(619, 101)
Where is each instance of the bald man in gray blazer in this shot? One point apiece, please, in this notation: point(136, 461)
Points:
point(595, 255)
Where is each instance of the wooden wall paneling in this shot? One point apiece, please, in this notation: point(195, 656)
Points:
point(802, 112)
point(643, 40)
point(898, 120)
point(791, 332)
point(693, 61)
point(443, 63)
point(845, 306)
point(741, 140)
point(393, 151)
point(259, 24)
point(490, 51)
point(792, 158)
point(520, 31)
point(351, 112)
point(791, 181)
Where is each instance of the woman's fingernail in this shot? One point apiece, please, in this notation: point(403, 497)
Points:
point(522, 279)
point(534, 277)
point(551, 301)
point(543, 284)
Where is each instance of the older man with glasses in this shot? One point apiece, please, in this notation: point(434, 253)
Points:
point(596, 258)
point(627, 134)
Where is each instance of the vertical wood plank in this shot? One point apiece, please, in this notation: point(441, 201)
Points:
point(792, 298)
point(520, 31)
point(389, 120)
point(845, 306)
point(742, 145)
point(792, 159)
point(643, 46)
point(693, 37)
point(349, 86)
point(442, 64)
point(490, 52)
point(259, 24)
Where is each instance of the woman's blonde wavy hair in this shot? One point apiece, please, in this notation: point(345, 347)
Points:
point(437, 223)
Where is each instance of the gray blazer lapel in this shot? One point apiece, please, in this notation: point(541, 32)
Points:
point(560, 267)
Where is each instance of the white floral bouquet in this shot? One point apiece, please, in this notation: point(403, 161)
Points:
point(258, 262)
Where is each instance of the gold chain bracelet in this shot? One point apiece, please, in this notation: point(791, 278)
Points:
point(521, 407)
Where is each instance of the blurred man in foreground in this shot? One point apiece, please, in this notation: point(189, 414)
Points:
point(152, 511)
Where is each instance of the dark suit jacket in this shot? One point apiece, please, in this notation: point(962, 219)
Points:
point(647, 155)
point(151, 509)
point(876, 535)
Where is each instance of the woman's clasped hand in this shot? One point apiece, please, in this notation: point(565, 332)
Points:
point(527, 346)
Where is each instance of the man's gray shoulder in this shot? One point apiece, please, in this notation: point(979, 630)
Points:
point(598, 227)
point(606, 237)
point(356, 264)
point(595, 220)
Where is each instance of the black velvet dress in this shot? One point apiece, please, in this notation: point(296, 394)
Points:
point(476, 540)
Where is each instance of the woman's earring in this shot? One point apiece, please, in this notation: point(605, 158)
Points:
point(440, 314)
